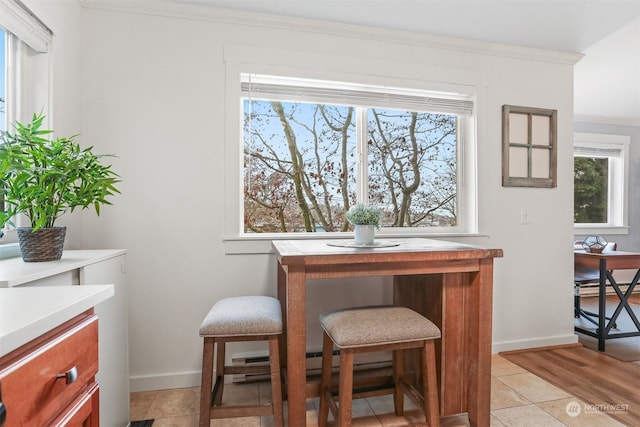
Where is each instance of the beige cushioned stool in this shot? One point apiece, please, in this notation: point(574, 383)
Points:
point(247, 318)
point(378, 328)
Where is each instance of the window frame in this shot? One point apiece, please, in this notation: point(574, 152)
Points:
point(28, 42)
point(364, 98)
point(598, 145)
point(25, 25)
point(28, 45)
point(275, 61)
point(11, 78)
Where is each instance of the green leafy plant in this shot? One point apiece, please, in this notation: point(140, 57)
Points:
point(361, 214)
point(44, 178)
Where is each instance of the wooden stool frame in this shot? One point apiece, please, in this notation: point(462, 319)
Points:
point(211, 394)
point(342, 413)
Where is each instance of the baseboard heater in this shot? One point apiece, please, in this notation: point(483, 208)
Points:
point(593, 290)
point(314, 363)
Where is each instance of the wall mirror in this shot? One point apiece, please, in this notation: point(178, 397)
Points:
point(529, 146)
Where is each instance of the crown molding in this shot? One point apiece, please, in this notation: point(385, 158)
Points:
point(166, 8)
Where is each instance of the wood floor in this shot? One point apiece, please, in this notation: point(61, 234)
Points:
point(611, 385)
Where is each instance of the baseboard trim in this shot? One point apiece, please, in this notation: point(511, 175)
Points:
point(499, 347)
point(550, 347)
point(192, 379)
point(164, 382)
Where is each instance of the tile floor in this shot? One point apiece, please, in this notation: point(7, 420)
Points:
point(518, 398)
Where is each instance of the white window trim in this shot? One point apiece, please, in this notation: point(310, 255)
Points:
point(252, 60)
point(19, 20)
point(618, 178)
point(28, 75)
point(357, 95)
point(11, 78)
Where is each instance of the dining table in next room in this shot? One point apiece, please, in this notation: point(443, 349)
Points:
point(601, 268)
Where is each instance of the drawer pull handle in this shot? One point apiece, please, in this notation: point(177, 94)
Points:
point(70, 376)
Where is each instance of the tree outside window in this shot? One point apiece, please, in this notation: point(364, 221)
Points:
point(601, 176)
point(590, 189)
point(305, 164)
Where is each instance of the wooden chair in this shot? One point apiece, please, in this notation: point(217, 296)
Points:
point(378, 328)
point(248, 318)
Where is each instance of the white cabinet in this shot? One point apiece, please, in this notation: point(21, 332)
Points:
point(90, 267)
point(113, 375)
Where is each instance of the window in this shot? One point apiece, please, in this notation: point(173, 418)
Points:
point(314, 148)
point(4, 77)
point(24, 41)
point(3, 80)
point(600, 181)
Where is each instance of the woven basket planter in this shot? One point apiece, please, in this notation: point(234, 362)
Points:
point(44, 245)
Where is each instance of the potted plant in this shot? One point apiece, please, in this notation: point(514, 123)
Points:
point(365, 220)
point(43, 178)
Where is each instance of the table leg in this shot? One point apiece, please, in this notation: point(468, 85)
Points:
point(602, 304)
point(282, 344)
point(624, 302)
point(479, 303)
point(296, 345)
point(460, 304)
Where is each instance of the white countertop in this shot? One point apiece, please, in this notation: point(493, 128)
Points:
point(14, 271)
point(26, 313)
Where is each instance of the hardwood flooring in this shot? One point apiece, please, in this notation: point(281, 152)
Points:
point(609, 384)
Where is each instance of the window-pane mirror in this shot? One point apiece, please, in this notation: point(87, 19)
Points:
point(529, 145)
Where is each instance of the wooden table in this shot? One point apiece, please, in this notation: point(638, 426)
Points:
point(450, 283)
point(604, 263)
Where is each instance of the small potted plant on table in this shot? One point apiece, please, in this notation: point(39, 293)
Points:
point(365, 220)
point(43, 178)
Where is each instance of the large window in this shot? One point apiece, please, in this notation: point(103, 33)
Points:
point(314, 148)
point(600, 180)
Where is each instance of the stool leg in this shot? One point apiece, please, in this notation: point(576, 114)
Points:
point(276, 384)
point(398, 374)
point(207, 382)
point(346, 387)
point(220, 356)
point(325, 380)
point(430, 384)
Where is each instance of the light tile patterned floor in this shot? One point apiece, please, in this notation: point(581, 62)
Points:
point(518, 398)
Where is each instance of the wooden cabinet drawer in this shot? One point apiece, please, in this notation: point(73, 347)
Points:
point(83, 412)
point(32, 392)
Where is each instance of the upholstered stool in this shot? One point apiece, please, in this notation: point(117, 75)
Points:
point(248, 318)
point(379, 328)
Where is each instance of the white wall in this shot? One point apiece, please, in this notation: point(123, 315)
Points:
point(154, 94)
